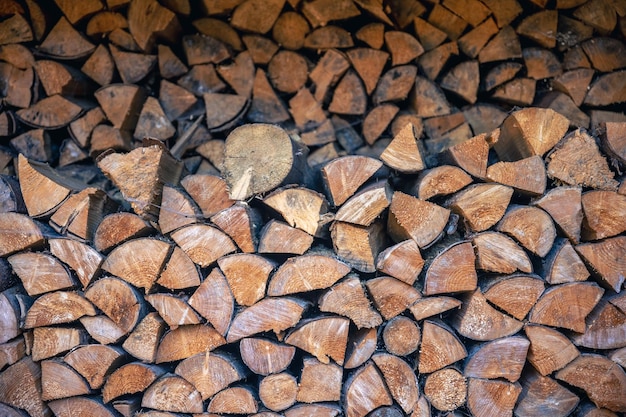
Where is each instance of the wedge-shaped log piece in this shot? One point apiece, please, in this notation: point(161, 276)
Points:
point(349, 97)
point(132, 378)
point(453, 270)
point(566, 305)
point(134, 67)
point(606, 328)
point(40, 272)
point(265, 357)
point(117, 228)
point(564, 204)
point(377, 120)
point(186, 341)
point(121, 104)
point(179, 272)
point(364, 391)
point(531, 227)
point(209, 192)
point(81, 213)
point(477, 320)
point(604, 214)
point(402, 261)
point(172, 393)
point(95, 362)
point(65, 42)
point(391, 296)
point(143, 342)
point(492, 397)
point(542, 394)
point(440, 347)
point(325, 337)
point(395, 84)
point(52, 341)
point(224, 110)
point(152, 122)
point(80, 406)
point(358, 245)
point(527, 175)
point(59, 380)
point(170, 66)
point(505, 45)
point(210, 372)
point(82, 258)
point(18, 232)
point(446, 389)
point(515, 294)
point(306, 273)
point(36, 178)
point(240, 73)
point(529, 132)
point(15, 30)
point(563, 264)
point(496, 252)
point(403, 153)
point(20, 387)
point(12, 351)
point(400, 379)
point(602, 381)
point(175, 311)
point(432, 306)
point(344, 175)
point(369, 64)
point(578, 149)
point(607, 259)
point(247, 276)
point(241, 223)
point(204, 244)
point(138, 261)
point(438, 181)
point(501, 358)
point(276, 314)
point(471, 155)
point(613, 142)
point(234, 400)
point(148, 20)
point(56, 308)
point(278, 391)
point(481, 205)
point(607, 89)
point(540, 27)
point(176, 100)
point(266, 106)
point(367, 205)
point(413, 218)
point(300, 207)
point(361, 347)
point(118, 300)
point(549, 349)
point(319, 382)
point(102, 329)
point(214, 301)
point(140, 175)
point(463, 80)
point(347, 298)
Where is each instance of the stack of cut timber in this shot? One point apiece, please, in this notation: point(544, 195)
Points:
point(382, 288)
point(241, 207)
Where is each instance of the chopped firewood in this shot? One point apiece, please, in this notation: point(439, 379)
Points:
point(174, 311)
point(471, 155)
point(328, 37)
point(492, 397)
point(578, 149)
point(607, 89)
point(203, 243)
point(427, 99)
point(403, 153)
point(377, 121)
point(369, 64)
point(142, 343)
point(56, 308)
point(605, 54)
point(80, 213)
point(391, 296)
point(131, 378)
point(57, 78)
point(515, 294)
point(255, 16)
point(358, 245)
point(279, 237)
point(497, 252)
point(446, 389)
point(65, 42)
point(579, 298)
point(175, 100)
point(29, 267)
point(502, 358)
point(613, 140)
point(20, 387)
point(95, 362)
point(319, 382)
point(401, 336)
point(400, 380)
point(592, 373)
point(234, 400)
point(105, 137)
point(100, 66)
point(287, 71)
point(501, 74)
point(201, 49)
point(526, 175)
point(11, 352)
point(290, 30)
point(531, 227)
point(431, 306)
point(176, 211)
point(453, 270)
point(300, 207)
point(65, 407)
point(439, 181)
point(481, 205)
point(17, 91)
point(172, 393)
point(463, 80)
point(367, 205)
point(541, 63)
point(365, 391)
point(70, 152)
point(447, 21)
point(278, 391)
point(102, 329)
point(120, 103)
point(15, 30)
point(606, 328)
point(475, 40)
point(210, 372)
point(348, 299)
point(247, 275)
point(549, 349)
point(519, 92)
point(505, 45)
point(563, 264)
point(598, 14)
point(277, 314)
point(214, 301)
point(240, 222)
point(403, 47)
point(51, 341)
point(219, 30)
point(372, 34)
point(209, 192)
point(361, 346)
point(564, 204)
point(153, 122)
point(413, 218)
point(543, 394)
point(35, 177)
point(265, 357)
point(60, 380)
point(439, 348)
point(117, 228)
point(324, 337)
point(402, 261)
point(186, 341)
point(148, 20)
point(170, 66)
point(343, 176)
point(50, 113)
point(606, 259)
point(603, 214)
point(349, 96)
point(395, 84)
point(541, 27)
point(304, 273)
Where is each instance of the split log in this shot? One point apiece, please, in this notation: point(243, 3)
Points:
point(347, 298)
point(265, 357)
point(319, 382)
point(536, 389)
point(440, 347)
point(481, 205)
point(453, 270)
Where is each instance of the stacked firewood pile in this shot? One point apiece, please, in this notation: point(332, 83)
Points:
point(312, 208)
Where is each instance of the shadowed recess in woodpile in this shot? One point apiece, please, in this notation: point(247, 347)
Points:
point(359, 208)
